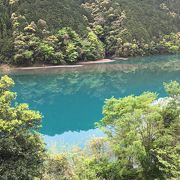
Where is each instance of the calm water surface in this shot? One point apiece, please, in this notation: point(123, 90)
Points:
point(71, 99)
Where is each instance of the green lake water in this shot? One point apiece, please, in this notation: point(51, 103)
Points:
point(71, 99)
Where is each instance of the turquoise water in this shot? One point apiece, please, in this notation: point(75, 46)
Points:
point(71, 99)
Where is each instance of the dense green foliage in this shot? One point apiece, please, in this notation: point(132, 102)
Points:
point(144, 137)
point(57, 14)
point(29, 42)
point(22, 151)
point(29, 30)
point(131, 28)
point(34, 44)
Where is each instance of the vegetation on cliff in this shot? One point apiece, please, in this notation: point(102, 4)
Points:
point(30, 30)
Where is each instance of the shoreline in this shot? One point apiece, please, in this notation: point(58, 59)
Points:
point(7, 68)
point(96, 62)
point(120, 58)
point(46, 67)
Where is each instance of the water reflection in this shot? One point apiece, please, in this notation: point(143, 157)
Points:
point(151, 59)
point(64, 142)
point(71, 99)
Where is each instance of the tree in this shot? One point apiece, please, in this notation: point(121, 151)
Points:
point(92, 47)
point(47, 51)
point(144, 134)
point(22, 151)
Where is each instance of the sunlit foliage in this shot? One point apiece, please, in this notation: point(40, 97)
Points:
point(22, 151)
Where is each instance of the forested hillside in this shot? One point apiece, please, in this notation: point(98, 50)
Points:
point(130, 28)
point(146, 19)
point(143, 17)
point(57, 13)
point(35, 31)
